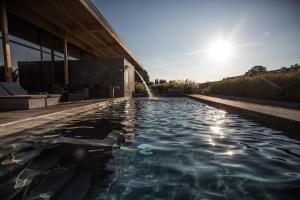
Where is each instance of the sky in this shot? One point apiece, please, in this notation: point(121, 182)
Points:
point(206, 40)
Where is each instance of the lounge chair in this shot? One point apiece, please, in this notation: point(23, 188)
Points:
point(14, 97)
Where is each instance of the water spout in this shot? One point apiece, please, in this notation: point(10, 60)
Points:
point(145, 84)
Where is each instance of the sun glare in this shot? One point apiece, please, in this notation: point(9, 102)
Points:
point(220, 50)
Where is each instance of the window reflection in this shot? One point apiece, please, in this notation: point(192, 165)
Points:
point(1, 50)
point(31, 43)
point(21, 53)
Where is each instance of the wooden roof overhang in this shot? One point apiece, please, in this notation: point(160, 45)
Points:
point(77, 20)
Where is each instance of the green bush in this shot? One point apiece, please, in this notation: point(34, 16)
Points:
point(140, 89)
point(162, 87)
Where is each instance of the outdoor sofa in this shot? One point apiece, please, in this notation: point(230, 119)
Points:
point(14, 97)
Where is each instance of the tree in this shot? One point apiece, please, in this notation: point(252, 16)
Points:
point(256, 70)
point(295, 66)
point(144, 74)
point(162, 81)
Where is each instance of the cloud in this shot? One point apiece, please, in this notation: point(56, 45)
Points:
point(204, 51)
point(250, 44)
point(267, 33)
point(238, 28)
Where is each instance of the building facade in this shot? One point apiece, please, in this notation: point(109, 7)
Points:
point(70, 32)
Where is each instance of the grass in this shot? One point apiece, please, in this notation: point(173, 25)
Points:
point(187, 86)
point(284, 86)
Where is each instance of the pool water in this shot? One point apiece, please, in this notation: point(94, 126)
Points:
point(184, 149)
point(175, 148)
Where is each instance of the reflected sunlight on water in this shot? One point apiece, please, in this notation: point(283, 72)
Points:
point(175, 148)
point(183, 149)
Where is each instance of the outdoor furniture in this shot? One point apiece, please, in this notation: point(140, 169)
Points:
point(22, 102)
point(14, 97)
point(79, 95)
point(53, 99)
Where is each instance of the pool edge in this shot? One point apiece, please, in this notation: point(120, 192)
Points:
point(32, 122)
point(268, 119)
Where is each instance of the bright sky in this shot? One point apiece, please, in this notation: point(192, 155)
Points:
point(207, 40)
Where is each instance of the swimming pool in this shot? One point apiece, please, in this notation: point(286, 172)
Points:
point(175, 148)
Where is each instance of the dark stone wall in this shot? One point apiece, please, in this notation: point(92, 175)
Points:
point(98, 75)
point(36, 76)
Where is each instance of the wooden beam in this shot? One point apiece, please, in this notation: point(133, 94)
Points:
point(44, 23)
point(97, 15)
point(38, 18)
point(66, 62)
point(6, 46)
point(65, 12)
point(90, 28)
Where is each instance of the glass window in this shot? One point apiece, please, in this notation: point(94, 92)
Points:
point(1, 51)
point(22, 50)
point(46, 54)
point(1, 59)
point(74, 52)
point(21, 41)
point(21, 53)
point(58, 56)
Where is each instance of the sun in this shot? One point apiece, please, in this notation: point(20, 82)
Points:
point(220, 50)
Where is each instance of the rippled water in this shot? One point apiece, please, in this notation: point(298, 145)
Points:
point(183, 149)
point(176, 148)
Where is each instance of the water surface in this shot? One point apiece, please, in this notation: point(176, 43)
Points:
point(184, 149)
point(175, 148)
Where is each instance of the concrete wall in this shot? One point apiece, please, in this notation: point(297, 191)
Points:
point(98, 75)
point(103, 73)
point(131, 80)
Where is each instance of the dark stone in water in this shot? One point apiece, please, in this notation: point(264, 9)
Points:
point(64, 163)
point(79, 188)
point(7, 189)
point(16, 162)
point(52, 184)
point(91, 130)
point(38, 167)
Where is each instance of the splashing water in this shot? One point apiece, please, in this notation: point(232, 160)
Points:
point(145, 84)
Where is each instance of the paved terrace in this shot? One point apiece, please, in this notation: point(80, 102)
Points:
point(275, 116)
point(16, 121)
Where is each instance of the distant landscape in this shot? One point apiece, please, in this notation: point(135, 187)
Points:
point(282, 84)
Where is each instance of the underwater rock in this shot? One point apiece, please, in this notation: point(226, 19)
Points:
point(79, 188)
point(52, 183)
point(7, 190)
point(38, 167)
point(113, 137)
point(21, 157)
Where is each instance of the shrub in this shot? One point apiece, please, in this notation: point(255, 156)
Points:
point(140, 89)
point(276, 86)
point(161, 87)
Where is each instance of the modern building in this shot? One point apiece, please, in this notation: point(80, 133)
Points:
point(56, 44)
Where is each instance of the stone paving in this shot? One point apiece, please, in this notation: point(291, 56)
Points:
point(16, 121)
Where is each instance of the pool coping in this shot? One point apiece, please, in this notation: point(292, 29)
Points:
point(273, 116)
point(16, 126)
